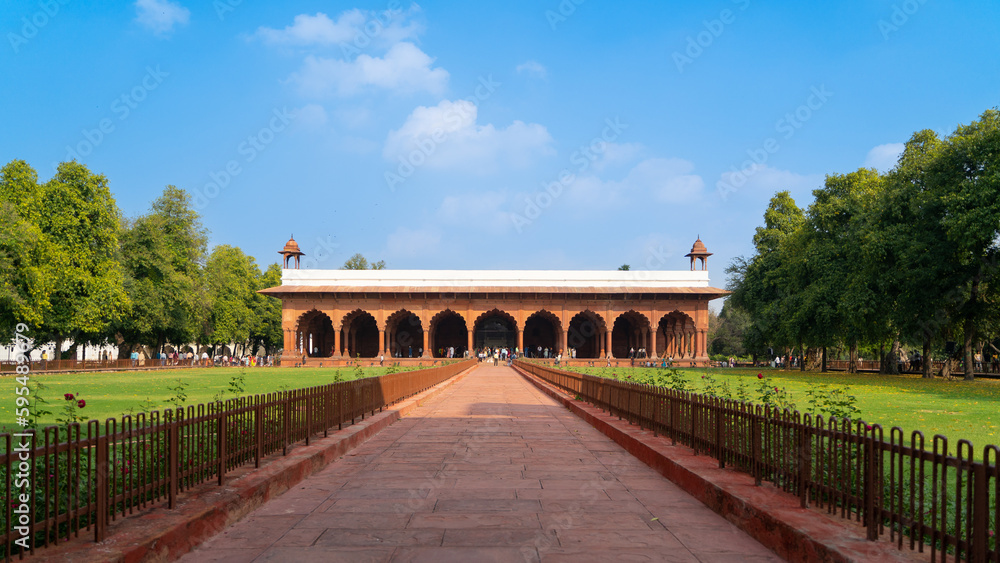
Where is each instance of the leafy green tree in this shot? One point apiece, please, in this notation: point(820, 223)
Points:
point(834, 283)
point(163, 253)
point(81, 223)
point(728, 333)
point(907, 249)
point(359, 262)
point(25, 282)
point(232, 281)
point(755, 283)
point(624, 267)
point(267, 311)
point(965, 175)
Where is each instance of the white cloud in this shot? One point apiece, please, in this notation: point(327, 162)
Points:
point(884, 157)
point(667, 180)
point(355, 28)
point(160, 16)
point(318, 29)
point(532, 67)
point(618, 154)
point(448, 136)
point(480, 211)
point(311, 116)
point(404, 68)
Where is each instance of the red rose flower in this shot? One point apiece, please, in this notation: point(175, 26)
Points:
point(69, 396)
point(760, 376)
point(81, 403)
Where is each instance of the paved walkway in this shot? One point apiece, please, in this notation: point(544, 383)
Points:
point(489, 470)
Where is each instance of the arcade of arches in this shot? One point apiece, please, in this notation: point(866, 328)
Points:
point(393, 326)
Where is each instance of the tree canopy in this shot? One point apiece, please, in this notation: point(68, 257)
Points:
point(909, 257)
point(74, 269)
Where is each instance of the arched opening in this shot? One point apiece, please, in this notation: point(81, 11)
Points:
point(495, 329)
point(406, 335)
point(541, 330)
point(315, 335)
point(675, 336)
point(361, 335)
point(630, 335)
point(585, 332)
point(449, 331)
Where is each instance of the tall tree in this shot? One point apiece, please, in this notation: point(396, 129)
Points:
point(163, 253)
point(232, 280)
point(25, 282)
point(267, 310)
point(81, 223)
point(965, 175)
point(756, 285)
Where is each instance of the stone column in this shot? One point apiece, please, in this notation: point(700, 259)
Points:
point(468, 341)
point(336, 343)
point(607, 344)
point(520, 341)
point(425, 341)
point(289, 343)
point(565, 343)
point(381, 342)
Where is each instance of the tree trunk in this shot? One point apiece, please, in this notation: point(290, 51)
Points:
point(890, 365)
point(970, 366)
point(950, 366)
point(823, 369)
point(925, 359)
point(57, 355)
point(852, 359)
point(970, 329)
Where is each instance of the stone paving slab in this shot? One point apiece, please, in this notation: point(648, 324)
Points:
point(489, 470)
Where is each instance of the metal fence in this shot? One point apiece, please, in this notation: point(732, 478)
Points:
point(924, 498)
point(80, 478)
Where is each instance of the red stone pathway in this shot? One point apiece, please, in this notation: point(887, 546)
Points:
point(489, 470)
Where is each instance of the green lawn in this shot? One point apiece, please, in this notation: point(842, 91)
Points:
point(956, 409)
point(111, 394)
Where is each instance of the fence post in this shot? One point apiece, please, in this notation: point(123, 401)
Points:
point(286, 410)
point(805, 463)
point(259, 431)
point(980, 513)
point(756, 429)
point(309, 416)
point(222, 446)
point(172, 470)
point(871, 519)
point(719, 421)
point(101, 514)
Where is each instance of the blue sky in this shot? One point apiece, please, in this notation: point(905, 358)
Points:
point(579, 134)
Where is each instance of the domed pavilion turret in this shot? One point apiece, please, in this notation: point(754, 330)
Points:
point(698, 251)
point(291, 250)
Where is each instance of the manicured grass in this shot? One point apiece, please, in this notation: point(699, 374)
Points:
point(109, 395)
point(956, 409)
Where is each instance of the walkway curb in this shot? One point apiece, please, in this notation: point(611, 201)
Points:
point(162, 534)
point(769, 515)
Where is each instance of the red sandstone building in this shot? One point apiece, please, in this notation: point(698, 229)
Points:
point(340, 314)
